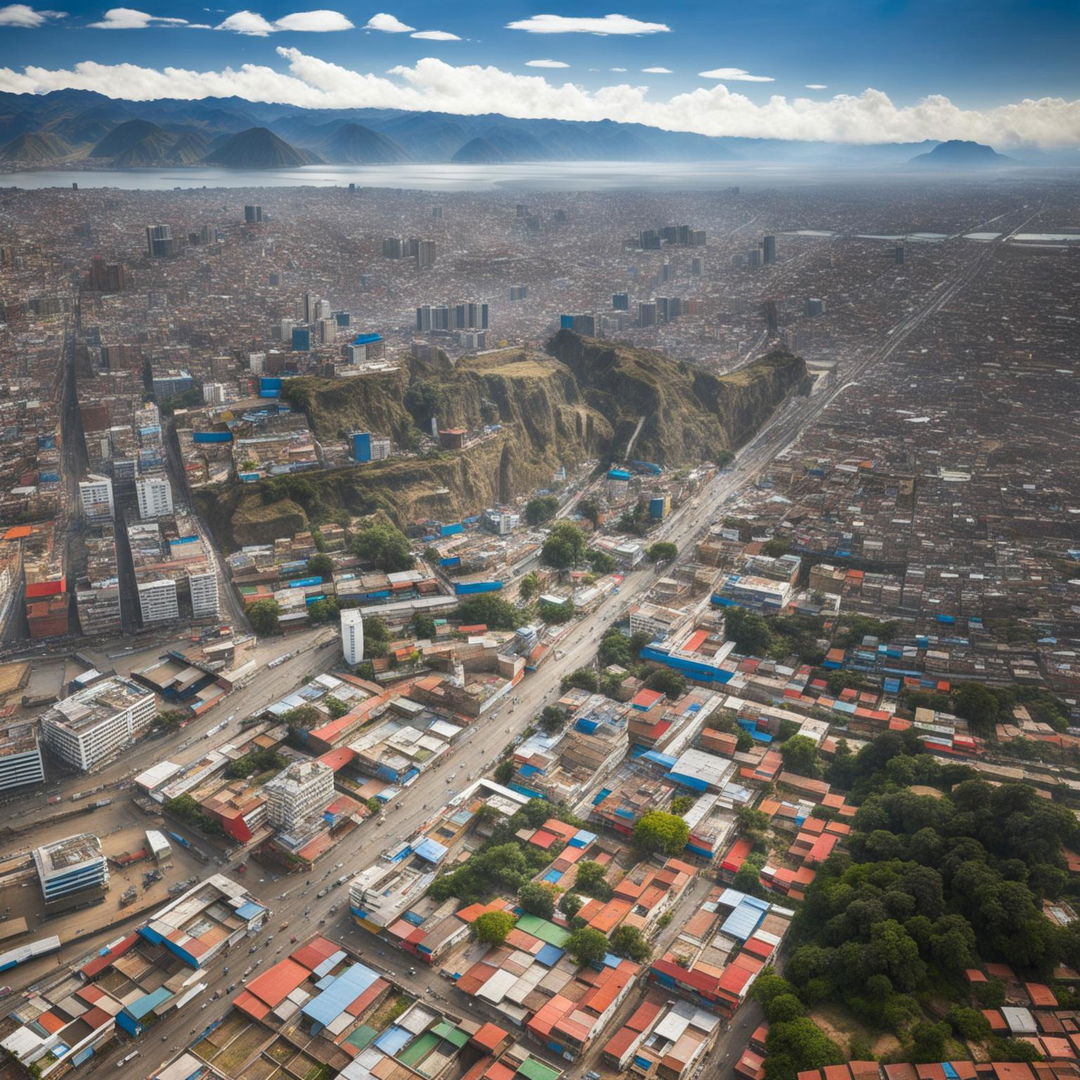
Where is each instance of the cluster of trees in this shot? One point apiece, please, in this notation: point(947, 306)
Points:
point(777, 636)
point(930, 885)
point(489, 609)
point(542, 508)
point(661, 551)
point(254, 762)
point(184, 808)
point(564, 547)
point(658, 832)
point(263, 616)
point(504, 863)
point(556, 614)
point(384, 545)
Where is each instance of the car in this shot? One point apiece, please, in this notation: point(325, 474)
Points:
point(321, 893)
point(590, 1075)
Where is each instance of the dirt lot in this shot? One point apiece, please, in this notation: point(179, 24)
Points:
point(841, 1027)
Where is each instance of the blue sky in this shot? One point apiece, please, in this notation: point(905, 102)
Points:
point(937, 68)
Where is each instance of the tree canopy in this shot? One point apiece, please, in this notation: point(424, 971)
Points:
point(564, 547)
point(384, 545)
point(542, 508)
point(659, 831)
point(587, 946)
point(492, 927)
point(263, 616)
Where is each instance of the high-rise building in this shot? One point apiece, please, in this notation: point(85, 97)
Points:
point(213, 393)
point(352, 635)
point(301, 339)
point(203, 589)
point(391, 247)
point(299, 793)
point(898, 254)
point(309, 302)
point(160, 242)
point(814, 306)
point(425, 253)
point(519, 292)
point(71, 865)
point(20, 756)
point(768, 250)
point(772, 318)
point(96, 497)
point(620, 301)
point(154, 495)
point(157, 600)
point(252, 215)
point(697, 265)
point(92, 724)
point(107, 277)
point(647, 313)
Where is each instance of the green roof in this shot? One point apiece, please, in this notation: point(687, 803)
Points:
point(418, 1049)
point(540, 928)
point(451, 1034)
point(361, 1036)
point(532, 1069)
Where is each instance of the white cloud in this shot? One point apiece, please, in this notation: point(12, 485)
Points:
point(130, 19)
point(469, 89)
point(25, 16)
point(609, 24)
point(657, 71)
point(817, 86)
point(388, 24)
point(546, 64)
point(314, 22)
point(246, 22)
point(310, 22)
point(734, 75)
point(618, 69)
point(435, 35)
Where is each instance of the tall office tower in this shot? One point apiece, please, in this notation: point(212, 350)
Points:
point(425, 253)
point(252, 215)
point(665, 272)
point(301, 339)
point(585, 325)
point(772, 318)
point(440, 318)
point(646, 313)
point(682, 235)
point(213, 393)
point(519, 292)
point(328, 329)
point(96, 497)
point(391, 247)
point(650, 240)
point(768, 249)
point(620, 301)
point(323, 310)
point(352, 635)
point(697, 266)
point(697, 238)
point(423, 317)
point(154, 495)
point(436, 213)
point(898, 254)
point(159, 241)
point(663, 309)
point(107, 277)
point(311, 301)
point(814, 306)
point(753, 257)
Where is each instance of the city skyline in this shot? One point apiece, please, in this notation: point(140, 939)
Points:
point(999, 73)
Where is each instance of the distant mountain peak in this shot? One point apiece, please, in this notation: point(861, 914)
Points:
point(258, 148)
point(961, 154)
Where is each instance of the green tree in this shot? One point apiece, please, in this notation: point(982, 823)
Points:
point(424, 627)
point(600, 561)
point(553, 719)
point(322, 565)
point(570, 904)
point(582, 679)
point(492, 927)
point(564, 547)
point(537, 900)
point(978, 706)
point(667, 681)
point(303, 718)
point(490, 610)
point(662, 551)
point(749, 631)
point(529, 586)
point(629, 941)
point(968, 1023)
point(384, 545)
point(592, 880)
point(796, 1045)
point(504, 771)
point(586, 946)
point(263, 616)
point(659, 831)
point(784, 1008)
point(928, 1042)
point(800, 756)
point(556, 614)
point(335, 707)
point(590, 509)
point(681, 803)
point(366, 670)
point(542, 508)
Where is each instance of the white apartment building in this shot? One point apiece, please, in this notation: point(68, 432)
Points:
point(96, 498)
point(70, 865)
point(298, 792)
point(154, 494)
point(20, 757)
point(352, 635)
point(204, 593)
point(93, 724)
point(157, 600)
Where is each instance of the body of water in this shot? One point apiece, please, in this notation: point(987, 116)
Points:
point(524, 176)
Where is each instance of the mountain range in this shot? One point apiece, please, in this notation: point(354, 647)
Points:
point(87, 128)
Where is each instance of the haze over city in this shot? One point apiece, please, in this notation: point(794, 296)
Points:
point(540, 545)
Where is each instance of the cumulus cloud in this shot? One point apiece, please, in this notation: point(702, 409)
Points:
point(435, 35)
point(657, 71)
point(388, 24)
point(609, 24)
point(734, 75)
point(546, 64)
point(817, 86)
point(312, 22)
point(25, 16)
point(469, 89)
point(123, 18)
point(618, 69)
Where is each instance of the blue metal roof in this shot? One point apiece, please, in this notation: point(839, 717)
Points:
point(431, 850)
point(549, 955)
point(249, 909)
point(339, 992)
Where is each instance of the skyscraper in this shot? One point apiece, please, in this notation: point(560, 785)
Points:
point(352, 635)
point(252, 215)
point(159, 241)
point(768, 248)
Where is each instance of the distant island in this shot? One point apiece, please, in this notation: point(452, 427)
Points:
point(961, 154)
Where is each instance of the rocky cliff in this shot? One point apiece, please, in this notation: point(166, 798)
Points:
point(580, 400)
